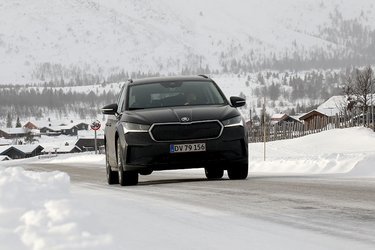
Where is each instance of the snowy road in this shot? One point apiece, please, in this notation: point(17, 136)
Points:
point(339, 208)
point(313, 192)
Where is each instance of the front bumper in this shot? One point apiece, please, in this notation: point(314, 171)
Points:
point(141, 152)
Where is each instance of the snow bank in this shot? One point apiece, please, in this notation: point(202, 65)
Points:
point(79, 158)
point(37, 212)
point(340, 151)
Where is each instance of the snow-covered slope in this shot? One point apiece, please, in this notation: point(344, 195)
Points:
point(166, 35)
point(345, 151)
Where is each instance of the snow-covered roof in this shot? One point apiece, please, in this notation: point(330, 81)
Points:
point(35, 131)
point(29, 148)
point(4, 157)
point(3, 148)
point(337, 104)
point(57, 123)
point(334, 105)
point(296, 117)
point(60, 149)
point(277, 116)
point(14, 131)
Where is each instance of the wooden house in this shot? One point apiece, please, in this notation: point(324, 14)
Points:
point(88, 144)
point(314, 119)
point(30, 125)
point(280, 119)
point(13, 133)
point(21, 151)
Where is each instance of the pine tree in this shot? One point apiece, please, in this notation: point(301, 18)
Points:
point(18, 123)
point(9, 120)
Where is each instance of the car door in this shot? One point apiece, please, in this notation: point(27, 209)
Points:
point(111, 126)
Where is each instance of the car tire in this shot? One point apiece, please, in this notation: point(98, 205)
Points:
point(214, 173)
point(238, 172)
point(126, 178)
point(112, 176)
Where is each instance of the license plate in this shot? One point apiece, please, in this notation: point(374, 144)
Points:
point(183, 148)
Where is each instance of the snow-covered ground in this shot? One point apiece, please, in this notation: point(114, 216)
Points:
point(43, 210)
point(341, 151)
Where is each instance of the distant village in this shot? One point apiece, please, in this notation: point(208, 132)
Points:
point(38, 138)
point(43, 138)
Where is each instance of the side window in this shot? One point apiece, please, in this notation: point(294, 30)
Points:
point(121, 100)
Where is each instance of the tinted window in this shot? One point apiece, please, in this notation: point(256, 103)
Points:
point(168, 94)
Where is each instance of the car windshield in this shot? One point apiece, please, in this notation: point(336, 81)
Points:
point(169, 94)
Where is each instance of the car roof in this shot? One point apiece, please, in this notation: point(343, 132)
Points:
point(169, 79)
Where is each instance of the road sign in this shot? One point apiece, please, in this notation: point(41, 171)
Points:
point(95, 125)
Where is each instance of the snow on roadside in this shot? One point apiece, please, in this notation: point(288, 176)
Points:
point(38, 212)
point(87, 159)
point(341, 151)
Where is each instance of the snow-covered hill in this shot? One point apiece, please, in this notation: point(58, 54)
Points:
point(168, 36)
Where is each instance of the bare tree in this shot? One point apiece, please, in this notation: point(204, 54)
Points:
point(358, 90)
point(348, 91)
point(362, 87)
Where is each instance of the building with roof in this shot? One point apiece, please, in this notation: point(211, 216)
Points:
point(63, 129)
point(62, 149)
point(12, 133)
point(30, 125)
point(280, 119)
point(88, 144)
point(50, 131)
point(21, 151)
point(16, 133)
point(314, 119)
point(333, 106)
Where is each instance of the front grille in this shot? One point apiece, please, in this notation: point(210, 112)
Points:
point(183, 131)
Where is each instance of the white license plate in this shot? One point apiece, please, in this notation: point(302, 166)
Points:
point(183, 148)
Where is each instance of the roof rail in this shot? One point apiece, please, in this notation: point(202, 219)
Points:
point(203, 76)
point(130, 80)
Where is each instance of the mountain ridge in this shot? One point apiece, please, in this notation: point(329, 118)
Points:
point(165, 36)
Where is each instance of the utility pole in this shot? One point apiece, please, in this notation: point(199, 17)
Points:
point(372, 104)
point(264, 129)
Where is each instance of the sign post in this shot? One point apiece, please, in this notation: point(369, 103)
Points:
point(95, 126)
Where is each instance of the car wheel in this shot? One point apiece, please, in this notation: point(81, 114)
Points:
point(126, 178)
point(238, 172)
point(214, 173)
point(112, 176)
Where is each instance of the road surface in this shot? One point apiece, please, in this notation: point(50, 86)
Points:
point(335, 206)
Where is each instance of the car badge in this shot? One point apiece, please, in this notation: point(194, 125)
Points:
point(185, 119)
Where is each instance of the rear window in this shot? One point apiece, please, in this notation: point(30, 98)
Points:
point(169, 94)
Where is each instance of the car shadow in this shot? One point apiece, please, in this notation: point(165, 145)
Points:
point(174, 181)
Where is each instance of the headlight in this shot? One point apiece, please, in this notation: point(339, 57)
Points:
point(133, 127)
point(235, 121)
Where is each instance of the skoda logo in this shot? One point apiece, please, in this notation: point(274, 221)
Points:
point(185, 119)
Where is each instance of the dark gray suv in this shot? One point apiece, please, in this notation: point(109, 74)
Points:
point(174, 123)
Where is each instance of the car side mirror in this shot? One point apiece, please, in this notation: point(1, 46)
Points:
point(237, 101)
point(110, 109)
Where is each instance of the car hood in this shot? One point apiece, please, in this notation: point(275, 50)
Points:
point(180, 114)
